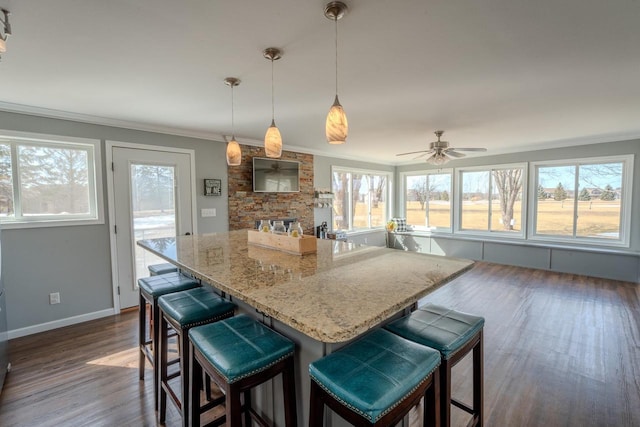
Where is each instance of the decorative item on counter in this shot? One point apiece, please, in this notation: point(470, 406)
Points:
point(295, 229)
point(303, 245)
point(323, 230)
point(264, 226)
point(278, 227)
point(391, 225)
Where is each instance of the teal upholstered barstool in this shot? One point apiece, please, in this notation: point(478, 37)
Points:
point(182, 311)
point(238, 354)
point(164, 268)
point(150, 289)
point(375, 381)
point(454, 334)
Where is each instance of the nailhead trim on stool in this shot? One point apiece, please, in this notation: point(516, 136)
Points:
point(150, 289)
point(240, 353)
point(182, 311)
point(454, 334)
point(375, 381)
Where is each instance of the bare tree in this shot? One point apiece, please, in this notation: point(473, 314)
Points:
point(509, 185)
point(6, 181)
point(423, 191)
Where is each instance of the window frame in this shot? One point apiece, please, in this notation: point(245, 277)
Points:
point(626, 201)
point(521, 235)
point(94, 178)
point(402, 197)
point(389, 194)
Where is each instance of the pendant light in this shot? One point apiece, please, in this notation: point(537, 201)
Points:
point(272, 139)
point(234, 153)
point(336, 127)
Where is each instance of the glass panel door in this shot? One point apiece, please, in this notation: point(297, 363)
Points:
point(153, 205)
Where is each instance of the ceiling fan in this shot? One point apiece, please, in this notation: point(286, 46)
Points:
point(278, 168)
point(440, 151)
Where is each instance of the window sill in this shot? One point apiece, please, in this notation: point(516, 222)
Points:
point(12, 225)
point(578, 246)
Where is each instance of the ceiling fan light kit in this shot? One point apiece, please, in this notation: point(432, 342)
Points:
point(336, 126)
point(272, 139)
point(234, 152)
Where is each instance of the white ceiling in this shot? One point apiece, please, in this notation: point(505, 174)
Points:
point(508, 75)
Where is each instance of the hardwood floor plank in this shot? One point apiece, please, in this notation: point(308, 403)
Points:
point(560, 350)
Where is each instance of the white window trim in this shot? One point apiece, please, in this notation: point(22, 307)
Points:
point(94, 174)
point(403, 193)
point(389, 208)
point(457, 209)
point(625, 209)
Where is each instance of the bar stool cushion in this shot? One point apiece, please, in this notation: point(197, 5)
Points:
point(163, 284)
point(163, 268)
point(438, 327)
point(194, 306)
point(373, 374)
point(240, 347)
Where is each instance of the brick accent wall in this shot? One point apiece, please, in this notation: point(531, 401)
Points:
point(245, 206)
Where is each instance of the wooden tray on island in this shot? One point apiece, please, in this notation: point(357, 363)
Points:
point(293, 245)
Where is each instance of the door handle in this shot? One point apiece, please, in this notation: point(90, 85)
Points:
point(187, 233)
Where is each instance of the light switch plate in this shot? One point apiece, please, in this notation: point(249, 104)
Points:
point(208, 212)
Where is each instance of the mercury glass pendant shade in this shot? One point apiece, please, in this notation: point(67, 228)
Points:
point(337, 127)
point(234, 154)
point(273, 141)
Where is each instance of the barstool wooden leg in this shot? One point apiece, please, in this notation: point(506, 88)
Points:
point(316, 409)
point(183, 342)
point(478, 380)
point(234, 407)
point(289, 391)
point(431, 402)
point(445, 389)
point(156, 354)
point(195, 382)
point(247, 405)
point(161, 348)
point(142, 333)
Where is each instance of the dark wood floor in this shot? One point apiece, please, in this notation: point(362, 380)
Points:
point(560, 350)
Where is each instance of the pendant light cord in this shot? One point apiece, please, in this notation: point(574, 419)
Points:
point(233, 131)
point(336, 21)
point(273, 108)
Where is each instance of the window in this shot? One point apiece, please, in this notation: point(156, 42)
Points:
point(45, 182)
point(491, 199)
point(584, 199)
point(427, 201)
point(360, 199)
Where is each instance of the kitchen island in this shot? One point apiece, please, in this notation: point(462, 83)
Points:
point(321, 301)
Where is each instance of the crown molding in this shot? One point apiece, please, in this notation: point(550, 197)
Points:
point(126, 124)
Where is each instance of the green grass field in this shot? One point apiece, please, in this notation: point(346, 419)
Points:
point(596, 218)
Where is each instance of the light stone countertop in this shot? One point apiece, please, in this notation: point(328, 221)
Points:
point(332, 296)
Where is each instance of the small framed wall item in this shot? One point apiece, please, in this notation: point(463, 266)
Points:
point(213, 187)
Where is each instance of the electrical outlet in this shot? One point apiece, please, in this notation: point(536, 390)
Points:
point(208, 212)
point(54, 298)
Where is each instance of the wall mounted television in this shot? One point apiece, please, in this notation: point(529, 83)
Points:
point(275, 175)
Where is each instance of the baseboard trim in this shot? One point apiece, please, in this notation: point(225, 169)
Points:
point(55, 324)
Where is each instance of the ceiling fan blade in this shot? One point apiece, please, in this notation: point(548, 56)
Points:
point(421, 155)
point(413, 152)
point(452, 153)
point(468, 149)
